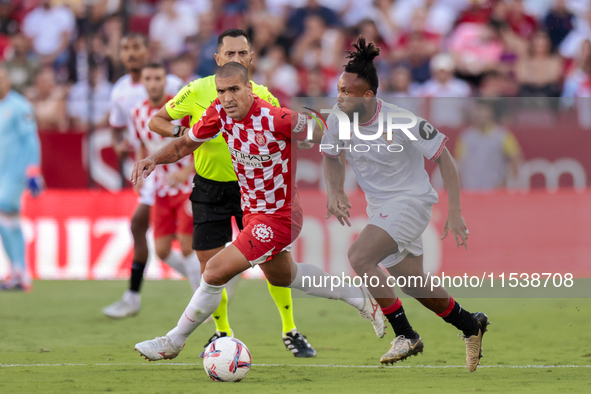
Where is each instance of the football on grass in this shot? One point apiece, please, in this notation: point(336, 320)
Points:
point(226, 360)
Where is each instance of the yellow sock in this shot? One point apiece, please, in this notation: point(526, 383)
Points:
point(282, 298)
point(220, 315)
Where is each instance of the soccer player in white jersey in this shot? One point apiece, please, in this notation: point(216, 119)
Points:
point(259, 137)
point(128, 92)
point(171, 213)
point(399, 203)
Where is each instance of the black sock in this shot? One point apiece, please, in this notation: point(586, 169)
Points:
point(400, 323)
point(462, 320)
point(137, 275)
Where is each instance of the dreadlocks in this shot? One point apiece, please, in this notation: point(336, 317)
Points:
point(361, 62)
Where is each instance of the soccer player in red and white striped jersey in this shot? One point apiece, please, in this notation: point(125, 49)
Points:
point(171, 212)
point(127, 92)
point(259, 137)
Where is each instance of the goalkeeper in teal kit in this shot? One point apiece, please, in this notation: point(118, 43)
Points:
point(19, 169)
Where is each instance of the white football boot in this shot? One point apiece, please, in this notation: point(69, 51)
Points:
point(159, 348)
point(371, 311)
point(129, 305)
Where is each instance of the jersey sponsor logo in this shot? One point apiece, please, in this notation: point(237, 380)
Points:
point(249, 160)
point(260, 139)
point(262, 232)
point(427, 131)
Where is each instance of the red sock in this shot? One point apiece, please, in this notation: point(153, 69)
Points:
point(446, 312)
point(393, 308)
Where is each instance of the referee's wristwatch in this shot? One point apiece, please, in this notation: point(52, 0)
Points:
point(176, 131)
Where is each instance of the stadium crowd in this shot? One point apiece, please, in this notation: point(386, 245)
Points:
point(62, 53)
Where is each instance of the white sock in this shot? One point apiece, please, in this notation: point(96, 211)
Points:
point(203, 303)
point(192, 269)
point(175, 261)
point(344, 291)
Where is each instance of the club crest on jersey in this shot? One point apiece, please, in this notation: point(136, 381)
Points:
point(260, 139)
point(262, 232)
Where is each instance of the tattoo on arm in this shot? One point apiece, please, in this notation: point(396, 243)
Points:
point(178, 152)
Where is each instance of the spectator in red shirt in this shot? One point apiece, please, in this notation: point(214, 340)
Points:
point(522, 24)
point(479, 11)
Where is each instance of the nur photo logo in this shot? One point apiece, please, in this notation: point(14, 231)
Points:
point(401, 119)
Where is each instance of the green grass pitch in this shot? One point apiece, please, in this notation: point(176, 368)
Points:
point(55, 340)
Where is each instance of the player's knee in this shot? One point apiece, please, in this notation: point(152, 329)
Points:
point(187, 250)
point(213, 277)
point(162, 251)
point(139, 226)
point(358, 258)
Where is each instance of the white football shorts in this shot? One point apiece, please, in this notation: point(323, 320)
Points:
point(148, 190)
point(405, 219)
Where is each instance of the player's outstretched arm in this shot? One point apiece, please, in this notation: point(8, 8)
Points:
point(455, 222)
point(170, 153)
point(338, 203)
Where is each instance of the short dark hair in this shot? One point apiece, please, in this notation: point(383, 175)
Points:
point(138, 36)
point(154, 65)
point(233, 69)
point(361, 62)
point(232, 33)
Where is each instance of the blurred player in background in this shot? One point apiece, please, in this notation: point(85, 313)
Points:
point(19, 169)
point(399, 205)
point(488, 154)
point(216, 194)
point(259, 136)
point(128, 92)
point(171, 212)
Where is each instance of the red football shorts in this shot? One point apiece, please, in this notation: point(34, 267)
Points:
point(172, 215)
point(265, 235)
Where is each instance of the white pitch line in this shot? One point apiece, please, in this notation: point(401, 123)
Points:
point(300, 365)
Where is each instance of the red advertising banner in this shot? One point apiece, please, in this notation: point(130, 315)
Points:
point(82, 234)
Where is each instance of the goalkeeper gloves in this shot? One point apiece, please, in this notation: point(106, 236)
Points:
point(35, 180)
